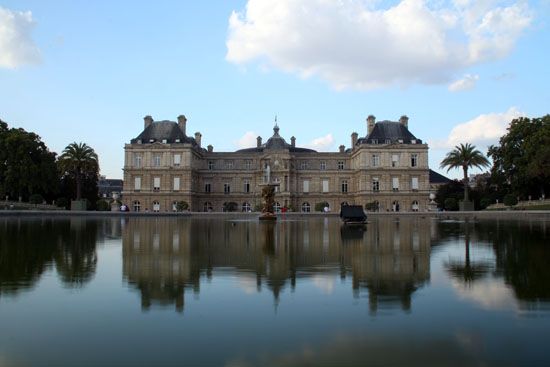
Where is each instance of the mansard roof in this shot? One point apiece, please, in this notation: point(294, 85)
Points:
point(389, 130)
point(276, 142)
point(163, 130)
point(436, 178)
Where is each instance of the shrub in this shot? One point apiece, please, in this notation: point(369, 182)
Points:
point(451, 204)
point(181, 206)
point(484, 203)
point(510, 200)
point(102, 206)
point(36, 199)
point(62, 203)
point(230, 206)
point(319, 207)
point(372, 206)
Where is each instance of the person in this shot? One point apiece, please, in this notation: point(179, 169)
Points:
point(326, 209)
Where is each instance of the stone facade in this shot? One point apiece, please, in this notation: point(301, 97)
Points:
point(388, 167)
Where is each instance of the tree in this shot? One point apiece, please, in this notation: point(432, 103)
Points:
point(465, 156)
point(521, 160)
point(79, 162)
point(27, 167)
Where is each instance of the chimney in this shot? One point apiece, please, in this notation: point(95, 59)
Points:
point(210, 148)
point(404, 120)
point(354, 136)
point(198, 137)
point(371, 120)
point(182, 122)
point(293, 141)
point(259, 141)
point(342, 148)
point(147, 121)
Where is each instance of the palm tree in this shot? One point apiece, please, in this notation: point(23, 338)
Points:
point(78, 159)
point(465, 156)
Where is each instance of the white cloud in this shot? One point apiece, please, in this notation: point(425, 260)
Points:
point(352, 44)
point(468, 82)
point(16, 45)
point(481, 131)
point(489, 295)
point(248, 140)
point(322, 143)
point(325, 283)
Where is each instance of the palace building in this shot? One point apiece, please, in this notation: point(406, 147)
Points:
point(386, 168)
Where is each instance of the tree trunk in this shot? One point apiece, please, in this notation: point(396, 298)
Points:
point(466, 184)
point(78, 186)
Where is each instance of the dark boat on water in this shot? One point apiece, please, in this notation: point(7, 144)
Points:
point(353, 215)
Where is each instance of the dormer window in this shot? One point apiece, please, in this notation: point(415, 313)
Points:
point(164, 141)
point(400, 141)
point(413, 141)
point(177, 140)
point(139, 141)
point(374, 141)
point(388, 141)
point(151, 140)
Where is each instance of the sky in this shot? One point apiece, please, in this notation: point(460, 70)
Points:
point(89, 72)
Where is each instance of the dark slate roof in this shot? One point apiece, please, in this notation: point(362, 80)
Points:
point(436, 178)
point(276, 142)
point(163, 130)
point(389, 130)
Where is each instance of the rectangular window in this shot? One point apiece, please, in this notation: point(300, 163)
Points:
point(156, 184)
point(137, 183)
point(306, 186)
point(395, 183)
point(228, 164)
point(414, 160)
point(208, 187)
point(340, 164)
point(246, 187)
point(248, 164)
point(325, 185)
point(414, 183)
point(375, 184)
point(323, 165)
point(388, 141)
point(303, 165)
point(177, 159)
point(156, 161)
point(375, 160)
point(226, 188)
point(210, 165)
point(176, 183)
point(394, 160)
point(137, 160)
point(344, 186)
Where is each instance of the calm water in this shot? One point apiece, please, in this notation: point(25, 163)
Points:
point(181, 291)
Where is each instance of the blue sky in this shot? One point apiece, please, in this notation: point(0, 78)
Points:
point(89, 71)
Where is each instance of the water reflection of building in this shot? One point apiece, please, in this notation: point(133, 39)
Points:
point(163, 257)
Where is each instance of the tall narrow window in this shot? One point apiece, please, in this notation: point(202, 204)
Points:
point(137, 206)
point(176, 183)
point(210, 165)
point(375, 184)
point(414, 183)
point(414, 160)
point(375, 160)
point(248, 164)
point(226, 188)
point(207, 187)
point(156, 161)
point(156, 184)
point(323, 165)
point(340, 164)
point(228, 164)
point(344, 186)
point(137, 183)
point(177, 159)
point(306, 186)
point(325, 185)
point(303, 165)
point(395, 160)
point(246, 184)
point(395, 183)
point(137, 160)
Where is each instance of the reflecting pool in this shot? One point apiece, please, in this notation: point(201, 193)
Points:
point(304, 291)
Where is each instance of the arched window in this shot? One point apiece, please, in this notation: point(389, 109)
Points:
point(376, 206)
point(414, 206)
point(136, 205)
point(175, 206)
point(344, 203)
point(207, 206)
point(395, 206)
point(276, 207)
point(306, 208)
point(156, 206)
point(246, 207)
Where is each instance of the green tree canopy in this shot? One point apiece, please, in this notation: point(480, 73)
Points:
point(79, 162)
point(465, 156)
point(26, 165)
point(521, 160)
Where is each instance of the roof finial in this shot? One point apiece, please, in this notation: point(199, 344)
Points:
point(276, 127)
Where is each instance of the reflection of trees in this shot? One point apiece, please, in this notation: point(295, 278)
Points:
point(31, 246)
point(164, 257)
point(467, 271)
